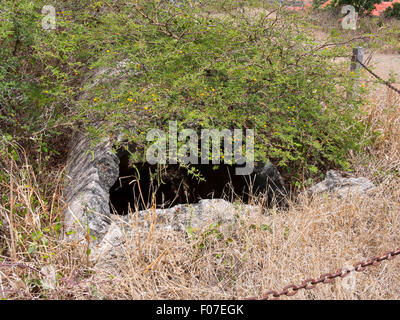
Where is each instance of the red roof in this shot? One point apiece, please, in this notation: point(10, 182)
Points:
point(379, 7)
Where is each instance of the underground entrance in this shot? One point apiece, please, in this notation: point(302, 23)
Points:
point(143, 186)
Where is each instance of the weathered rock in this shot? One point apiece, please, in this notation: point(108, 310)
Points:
point(107, 76)
point(181, 218)
point(343, 187)
point(90, 173)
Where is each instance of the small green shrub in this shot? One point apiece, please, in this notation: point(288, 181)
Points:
point(361, 6)
point(317, 3)
point(394, 11)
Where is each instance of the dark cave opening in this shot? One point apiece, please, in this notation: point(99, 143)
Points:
point(148, 185)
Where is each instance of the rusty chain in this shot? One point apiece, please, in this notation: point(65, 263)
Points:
point(387, 83)
point(310, 283)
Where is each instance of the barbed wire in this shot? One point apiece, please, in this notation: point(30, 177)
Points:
point(385, 82)
point(310, 283)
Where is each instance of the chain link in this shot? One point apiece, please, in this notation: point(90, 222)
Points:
point(311, 283)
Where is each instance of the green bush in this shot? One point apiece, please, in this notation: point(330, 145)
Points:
point(17, 19)
point(394, 11)
point(187, 63)
point(361, 6)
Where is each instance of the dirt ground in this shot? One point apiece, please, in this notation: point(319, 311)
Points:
point(386, 63)
point(385, 66)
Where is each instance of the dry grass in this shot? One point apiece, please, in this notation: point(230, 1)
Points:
point(266, 252)
point(257, 253)
point(30, 231)
point(382, 114)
